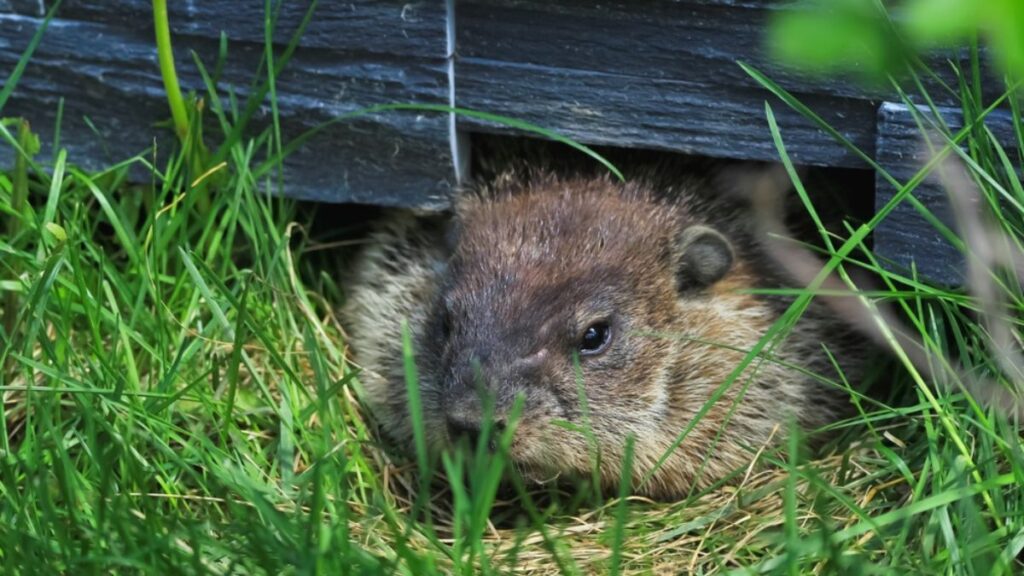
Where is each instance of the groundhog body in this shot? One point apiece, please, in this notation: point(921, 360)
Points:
point(611, 310)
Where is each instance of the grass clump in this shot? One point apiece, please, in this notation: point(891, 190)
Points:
point(176, 399)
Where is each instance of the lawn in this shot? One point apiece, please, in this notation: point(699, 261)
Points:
point(177, 399)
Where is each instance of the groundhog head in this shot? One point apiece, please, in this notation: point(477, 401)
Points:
point(598, 305)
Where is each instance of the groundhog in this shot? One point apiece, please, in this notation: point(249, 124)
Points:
point(610, 310)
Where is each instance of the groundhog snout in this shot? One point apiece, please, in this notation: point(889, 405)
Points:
point(480, 392)
point(465, 418)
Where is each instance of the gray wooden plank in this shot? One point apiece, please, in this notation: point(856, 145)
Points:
point(109, 74)
point(693, 41)
point(659, 114)
point(357, 26)
point(905, 237)
point(672, 58)
point(663, 76)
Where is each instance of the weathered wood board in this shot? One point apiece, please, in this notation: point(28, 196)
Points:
point(663, 76)
point(381, 27)
point(658, 114)
point(100, 58)
point(658, 75)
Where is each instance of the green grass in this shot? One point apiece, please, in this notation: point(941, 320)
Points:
point(176, 399)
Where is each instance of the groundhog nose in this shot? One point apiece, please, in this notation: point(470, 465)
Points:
point(462, 426)
point(470, 427)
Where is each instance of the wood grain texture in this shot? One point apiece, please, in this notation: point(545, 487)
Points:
point(391, 27)
point(696, 41)
point(905, 237)
point(615, 110)
point(107, 73)
point(663, 76)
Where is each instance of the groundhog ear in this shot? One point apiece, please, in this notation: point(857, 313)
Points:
point(705, 256)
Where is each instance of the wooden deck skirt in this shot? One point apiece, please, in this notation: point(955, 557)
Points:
point(658, 74)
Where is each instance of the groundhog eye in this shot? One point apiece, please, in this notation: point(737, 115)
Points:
point(595, 338)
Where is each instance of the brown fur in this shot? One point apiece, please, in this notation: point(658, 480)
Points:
point(531, 263)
